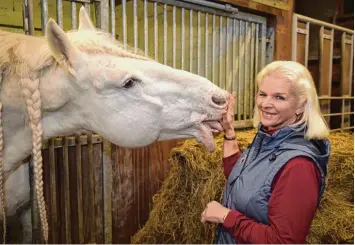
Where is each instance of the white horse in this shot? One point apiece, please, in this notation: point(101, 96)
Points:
point(84, 80)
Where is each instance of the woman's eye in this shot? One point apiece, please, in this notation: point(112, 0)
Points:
point(261, 94)
point(280, 97)
point(130, 83)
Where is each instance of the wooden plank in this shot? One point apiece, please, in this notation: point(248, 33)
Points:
point(123, 194)
point(88, 192)
point(73, 192)
point(66, 189)
point(98, 197)
point(346, 75)
point(79, 188)
point(325, 69)
point(53, 193)
point(47, 190)
point(301, 44)
point(107, 172)
point(61, 195)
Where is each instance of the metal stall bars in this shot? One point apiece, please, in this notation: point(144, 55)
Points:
point(300, 53)
point(212, 40)
point(181, 34)
point(83, 150)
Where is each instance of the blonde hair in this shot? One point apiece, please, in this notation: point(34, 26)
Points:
point(305, 92)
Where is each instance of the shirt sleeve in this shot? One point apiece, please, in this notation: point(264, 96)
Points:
point(292, 206)
point(229, 162)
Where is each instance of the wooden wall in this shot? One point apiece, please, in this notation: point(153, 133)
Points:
point(92, 200)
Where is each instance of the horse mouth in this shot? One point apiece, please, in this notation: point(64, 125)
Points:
point(205, 133)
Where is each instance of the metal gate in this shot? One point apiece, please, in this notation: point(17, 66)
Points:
point(84, 175)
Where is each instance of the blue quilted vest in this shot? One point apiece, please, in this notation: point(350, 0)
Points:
point(248, 188)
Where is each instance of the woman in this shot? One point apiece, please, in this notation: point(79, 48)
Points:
point(275, 185)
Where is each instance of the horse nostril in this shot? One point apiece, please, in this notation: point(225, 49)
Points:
point(219, 99)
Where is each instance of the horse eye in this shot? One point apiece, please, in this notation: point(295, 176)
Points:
point(130, 83)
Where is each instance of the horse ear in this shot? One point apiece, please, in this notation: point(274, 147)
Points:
point(84, 20)
point(61, 47)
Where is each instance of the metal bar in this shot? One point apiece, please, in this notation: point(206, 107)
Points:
point(73, 15)
point(124, 23)
point(234, 58)
point(87, 8)
point(294, 37)
point(182, 38)
point(113, 19)
point(66, 182)
point(252, 77)
point(53, 194)
point(59, 7)
point(206, 45)
point(204, 9)
point(135, 26)
point(263, 44)
point(224, 7)
point(191, 40)
point(44, 15)
point(213, 48)
point(337, 114)
point(307, 45)
point(174, 37)
point(325, 24)
point(198, 41)
point(31, 28)
point(79, 186)
point(220, 54)
point(156, 57)
point(165, 34)
point(339, 129)
point(146, 28)
point(240, 69)
point(246, 71)
point(227, 70)
point(256, 56)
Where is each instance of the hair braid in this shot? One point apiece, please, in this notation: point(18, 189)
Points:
point(30, 90)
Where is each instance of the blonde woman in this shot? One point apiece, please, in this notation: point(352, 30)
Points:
point(274, 187)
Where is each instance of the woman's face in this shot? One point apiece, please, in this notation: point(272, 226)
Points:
point(276, 102)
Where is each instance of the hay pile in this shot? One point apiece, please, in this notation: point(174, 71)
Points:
point(334, 222)
point(196, 178)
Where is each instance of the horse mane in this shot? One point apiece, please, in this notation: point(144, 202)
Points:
point(28, 55)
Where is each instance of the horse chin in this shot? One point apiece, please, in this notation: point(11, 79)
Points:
point(205, 133)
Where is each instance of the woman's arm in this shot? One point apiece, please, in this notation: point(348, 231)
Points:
point(292, 206)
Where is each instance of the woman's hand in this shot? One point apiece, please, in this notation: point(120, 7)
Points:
point(214, 212)
point(227, 121)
